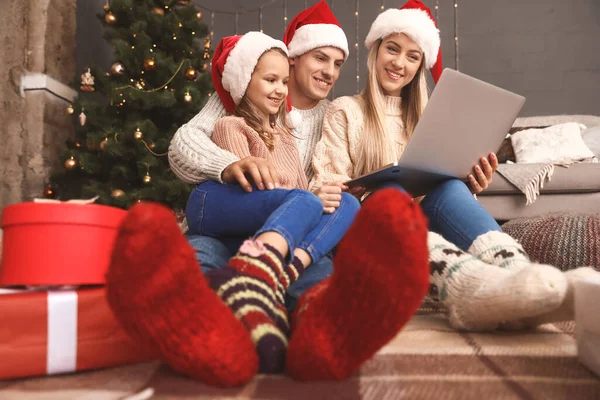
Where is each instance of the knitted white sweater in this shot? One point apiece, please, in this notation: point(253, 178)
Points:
point(195, 158)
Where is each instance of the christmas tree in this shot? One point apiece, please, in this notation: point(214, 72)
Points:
point(125, 118)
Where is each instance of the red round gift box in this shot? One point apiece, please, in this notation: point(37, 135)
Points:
point(57, 243)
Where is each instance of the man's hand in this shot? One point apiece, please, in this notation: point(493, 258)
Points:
point(483, 174)
point(330, 195)
point(251, 169)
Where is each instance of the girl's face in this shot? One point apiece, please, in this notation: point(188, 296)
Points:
point(398, 60)
point(268, 85)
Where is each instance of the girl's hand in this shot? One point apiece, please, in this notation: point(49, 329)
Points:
point(330, 195)
point(482, 177)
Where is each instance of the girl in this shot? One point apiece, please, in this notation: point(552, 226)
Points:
point(365, 132)
point(250, 74)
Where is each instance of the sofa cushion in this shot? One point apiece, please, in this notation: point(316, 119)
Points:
point(564, 240)
point(576, 178)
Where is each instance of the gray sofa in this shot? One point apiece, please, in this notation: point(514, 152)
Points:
point(572, 189)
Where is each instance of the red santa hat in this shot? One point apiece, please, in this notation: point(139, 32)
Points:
point(234, 61)
point(314, 27)
point(413, 19)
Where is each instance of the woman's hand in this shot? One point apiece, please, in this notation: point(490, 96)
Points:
point(330, 195)
point(482, 176)
point(357, 191)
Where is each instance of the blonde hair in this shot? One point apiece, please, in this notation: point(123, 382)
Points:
point(376, 148)
point(247, 110)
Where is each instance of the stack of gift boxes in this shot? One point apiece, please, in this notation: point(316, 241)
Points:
point(54, 314)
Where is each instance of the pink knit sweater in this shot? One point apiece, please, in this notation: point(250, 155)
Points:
point(233, 134)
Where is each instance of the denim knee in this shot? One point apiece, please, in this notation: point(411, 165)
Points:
point(452, 187)
point(312, 205)
point(351, 205)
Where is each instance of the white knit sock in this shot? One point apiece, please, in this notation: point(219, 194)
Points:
point(480, 296)
point(499, 248)
point(566, 310)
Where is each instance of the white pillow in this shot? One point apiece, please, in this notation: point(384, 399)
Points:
point(591, 137)
point(556, 144)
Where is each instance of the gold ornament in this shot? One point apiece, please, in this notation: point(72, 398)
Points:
point(117, 193)
point(147, 179)
point(140, 84)
point(191, 74)
point(207, 44)
point(117, 69)
point(152, 145)
point(49, 192)
point(150, 64)
point(82, 118)
point(206, 55)
point(110, 18)
point(199, 16)
point(158, 11)
point(78, 144)
point(70, 109)
point(204, 67)
point(187, 97)
point(106, 6)
point(138, 134)
point(87, 81)
point(103, 144)
point(71, 164)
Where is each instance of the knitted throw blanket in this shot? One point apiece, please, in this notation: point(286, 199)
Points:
point(528, 178)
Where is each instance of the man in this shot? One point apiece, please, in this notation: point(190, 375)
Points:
point(318, 48)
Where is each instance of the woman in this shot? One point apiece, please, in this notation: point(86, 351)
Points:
point(365, 132)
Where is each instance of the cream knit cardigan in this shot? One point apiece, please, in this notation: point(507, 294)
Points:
point(336, 152)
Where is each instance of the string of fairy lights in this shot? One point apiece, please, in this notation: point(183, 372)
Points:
point(332, 5)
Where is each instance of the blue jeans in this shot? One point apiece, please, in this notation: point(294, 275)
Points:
point(228, 212)
point(454, 213)
point(212, 254)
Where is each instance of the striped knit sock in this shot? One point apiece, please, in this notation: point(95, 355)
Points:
point(499, 248)
point(481, 297)
point(250, 286)
point(291, 273)
point(157, 292)
point(378, 283)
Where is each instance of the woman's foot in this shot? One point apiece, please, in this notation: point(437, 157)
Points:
point(380, 278)
point(157, 292)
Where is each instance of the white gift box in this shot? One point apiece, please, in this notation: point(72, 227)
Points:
point(587, 319)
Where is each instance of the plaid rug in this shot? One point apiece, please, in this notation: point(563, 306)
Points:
point(427, 360)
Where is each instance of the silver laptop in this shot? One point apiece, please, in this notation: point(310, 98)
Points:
point(465, 119)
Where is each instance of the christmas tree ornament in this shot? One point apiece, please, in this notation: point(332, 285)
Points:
point(151, 146)
point(207, 44)
point(103, 144)
point(117, 193)
point(78, 144)
point(138, 134)
point(158, 11)
point(140, 84)
point(49, 192)
point(147, 178)
point(82, 118)
point(71, 163)
point(204, 67)
point(191, 74)
point(117, 69)
point(87, 81)
point(70, 109)
point(206, 55)
point(199, 16)
point(187, 97)
point(149, 64)
point(110, 18)
point(107, 6)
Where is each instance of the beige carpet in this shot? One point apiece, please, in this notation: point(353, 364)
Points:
point(427, 360)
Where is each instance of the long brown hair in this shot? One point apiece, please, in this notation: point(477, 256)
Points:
point(376, 147)
point(247, 110)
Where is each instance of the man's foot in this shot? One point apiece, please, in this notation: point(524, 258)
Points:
point(480, 297)
point(158, 294)
point(380, 277)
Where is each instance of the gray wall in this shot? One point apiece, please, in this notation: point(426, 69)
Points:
point(546, 50)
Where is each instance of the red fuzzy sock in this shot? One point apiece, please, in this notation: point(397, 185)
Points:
point(157, 292)
point(381, 274)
